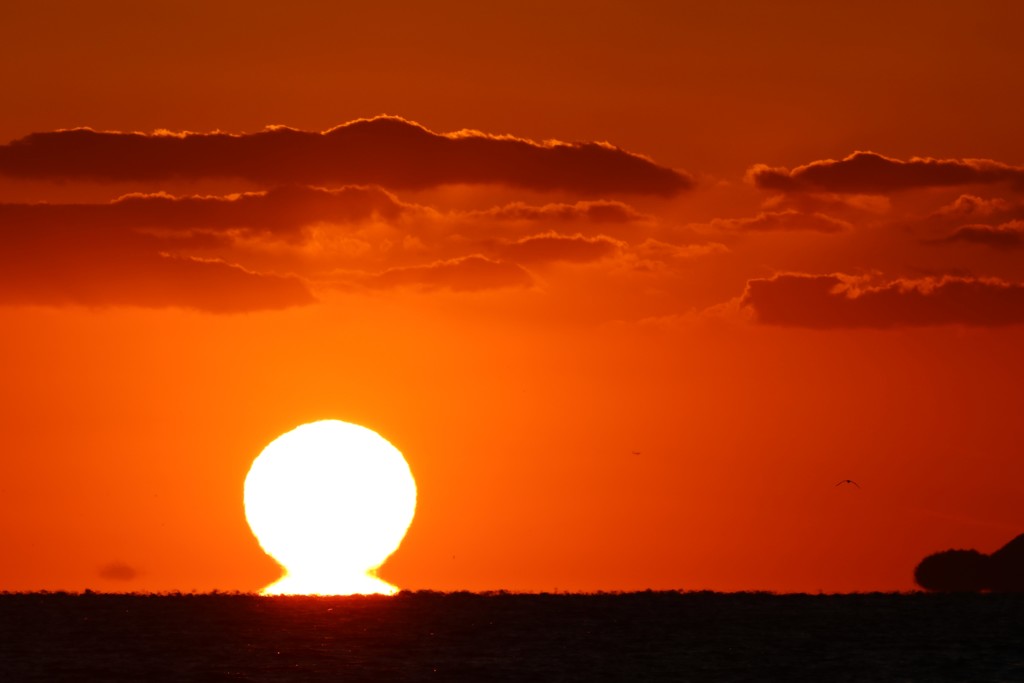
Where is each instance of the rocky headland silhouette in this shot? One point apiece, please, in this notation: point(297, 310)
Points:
point(962, 571)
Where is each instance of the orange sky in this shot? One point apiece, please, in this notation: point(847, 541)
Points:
point(767, 246)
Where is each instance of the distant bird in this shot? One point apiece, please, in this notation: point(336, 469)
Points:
point(848, 481)
point(635, 452)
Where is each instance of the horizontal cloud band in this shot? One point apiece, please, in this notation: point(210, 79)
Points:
point(870, 172)
point(281, 210)
point(464, 274)
point(387, 151)
point(843, 301)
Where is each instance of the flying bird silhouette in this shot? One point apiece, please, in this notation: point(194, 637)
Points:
point(848, 481)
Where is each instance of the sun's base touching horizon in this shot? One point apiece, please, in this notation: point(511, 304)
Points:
point(330, 501)
point(356, 584)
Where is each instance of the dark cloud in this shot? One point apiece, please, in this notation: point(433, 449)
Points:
point(971, 208)
point(600, 211)
point(994, 222)
point(654, 255)
point(829, 202)
point(970, 211)
point(54, 264)
point(666, 251)
point(118, 571)
point(387, 151)
point(159, 250)
point(151, 281)
point(868, 172)
point(282, 211)
point(1006, 236)
point(842, 301)
point(465, 274)
point(551, 247)
point(970, 570)
point(771, 221)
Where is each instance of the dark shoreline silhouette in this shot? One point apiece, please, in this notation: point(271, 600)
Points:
point(962, 571)
point(647, 636)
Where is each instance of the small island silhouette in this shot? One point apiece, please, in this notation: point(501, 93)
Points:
point(962, 571)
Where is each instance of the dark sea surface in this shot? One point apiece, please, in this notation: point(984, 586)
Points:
point(651, 636)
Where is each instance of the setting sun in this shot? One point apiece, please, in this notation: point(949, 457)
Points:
point(330, 501)
point(686, 339)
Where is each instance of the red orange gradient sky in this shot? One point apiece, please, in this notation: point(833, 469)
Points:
point(631, 285)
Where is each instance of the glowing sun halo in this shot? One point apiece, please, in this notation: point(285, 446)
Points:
point(330, 501)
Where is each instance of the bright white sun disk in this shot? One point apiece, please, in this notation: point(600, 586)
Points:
point(330, 501)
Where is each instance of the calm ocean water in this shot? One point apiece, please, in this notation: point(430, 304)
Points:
point(512, 637)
